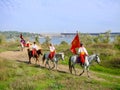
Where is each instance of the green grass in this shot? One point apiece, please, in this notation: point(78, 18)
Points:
point(112, 71)
point(11, 46)
point(22, 76)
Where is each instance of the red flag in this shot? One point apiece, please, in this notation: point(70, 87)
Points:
point(75, 44)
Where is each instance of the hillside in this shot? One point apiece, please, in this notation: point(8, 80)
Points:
point(17, 74)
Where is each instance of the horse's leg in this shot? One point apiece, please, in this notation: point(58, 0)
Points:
point(88, 71)
point(74, 69)
point(21, 49)
point(70, 65)
point(47, 63)
point(34, 60)
point(29, 60)
point(83, 71)
point(54, 64)
point(70, 68)
point(37, 60)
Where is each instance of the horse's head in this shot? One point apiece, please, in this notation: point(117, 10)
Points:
point(39, 52)
point(60, 55)
point(97, 58)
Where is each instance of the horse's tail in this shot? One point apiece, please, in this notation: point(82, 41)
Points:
point(70, 66)
point(28, 50)
point(43, 58)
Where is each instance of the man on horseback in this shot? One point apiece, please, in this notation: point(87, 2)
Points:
point(82, 53)
point(34, 49)
point(52, 51)
point(22, 41)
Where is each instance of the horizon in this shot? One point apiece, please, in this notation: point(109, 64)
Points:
point(58, 32)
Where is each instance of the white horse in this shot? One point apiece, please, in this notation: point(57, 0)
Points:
point(56, 58)
point(22, 47)
point(88, 60)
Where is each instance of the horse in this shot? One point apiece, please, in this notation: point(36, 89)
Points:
point(88, 60)
point(55, 59)
point(37, 55)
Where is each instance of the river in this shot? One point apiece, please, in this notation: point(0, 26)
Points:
point(58, 40)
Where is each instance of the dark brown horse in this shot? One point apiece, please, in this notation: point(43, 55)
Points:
point(37, 55)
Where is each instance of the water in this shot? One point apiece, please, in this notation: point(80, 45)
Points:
point(68, 39)
point(58, 40)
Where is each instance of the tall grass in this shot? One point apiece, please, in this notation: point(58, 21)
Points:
point(22, 76)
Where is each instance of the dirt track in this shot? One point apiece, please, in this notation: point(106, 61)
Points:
point(23, 57)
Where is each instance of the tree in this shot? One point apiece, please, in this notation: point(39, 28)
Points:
point(37, 39)
point(117, 42)
point(2, 39)
point(47, 40)
point(107, 36)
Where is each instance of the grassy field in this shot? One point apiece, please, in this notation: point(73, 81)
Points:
point(18, 75)
point(22, 76)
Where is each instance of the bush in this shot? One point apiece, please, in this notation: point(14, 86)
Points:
point(2, 39)
point(64, 43)
point(115, 62)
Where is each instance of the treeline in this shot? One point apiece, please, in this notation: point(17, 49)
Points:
point(15, 34)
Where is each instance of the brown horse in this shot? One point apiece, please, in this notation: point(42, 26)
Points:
point(37, 55)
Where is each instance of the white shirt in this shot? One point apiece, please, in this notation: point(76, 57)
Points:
point(52, 48)
point(82, 49)
point(34, 46)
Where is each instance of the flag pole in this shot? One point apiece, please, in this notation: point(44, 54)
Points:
point(77, 32)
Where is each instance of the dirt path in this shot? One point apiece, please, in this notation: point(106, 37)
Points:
point(23, 57)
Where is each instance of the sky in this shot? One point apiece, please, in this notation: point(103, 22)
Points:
point(62, 16)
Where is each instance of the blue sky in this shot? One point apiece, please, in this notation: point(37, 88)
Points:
point(51, 16)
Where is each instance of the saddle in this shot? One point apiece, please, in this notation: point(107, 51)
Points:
point(34, 52)
point(79, 61)
point(51, 55)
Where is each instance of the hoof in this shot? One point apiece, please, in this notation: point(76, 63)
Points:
point(80, 74)
point(88, 76)
point(29, 62)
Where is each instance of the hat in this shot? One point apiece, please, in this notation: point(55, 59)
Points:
point(81, 44)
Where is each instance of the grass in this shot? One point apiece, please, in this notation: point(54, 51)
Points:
point(9, 46)
point(98, 68)
point(22, 76)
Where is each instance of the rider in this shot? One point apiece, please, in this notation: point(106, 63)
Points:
point(82, 53)
point(34, 48)
point(28, 44)
point(52, 51)
point(22, 41)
